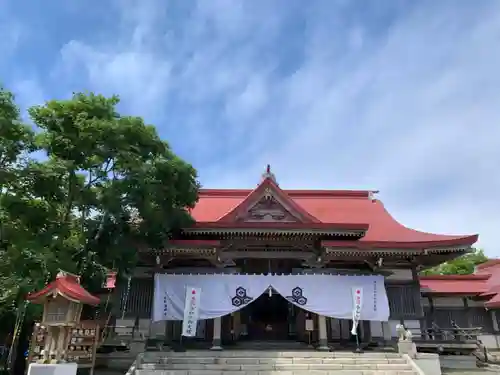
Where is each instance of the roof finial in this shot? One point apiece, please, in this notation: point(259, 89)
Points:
point(269, 174)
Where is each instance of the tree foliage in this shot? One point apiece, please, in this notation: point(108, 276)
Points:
point(463, 265)
point(107, 184)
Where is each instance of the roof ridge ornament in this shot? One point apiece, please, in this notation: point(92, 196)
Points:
point(269, 174)
point(64, 274)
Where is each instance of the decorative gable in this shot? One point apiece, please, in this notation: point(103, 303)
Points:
point(268, 203)
point(268, 209)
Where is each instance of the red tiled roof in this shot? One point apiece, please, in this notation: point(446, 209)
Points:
point(485, 282)
point(493, 303)
point(336, 208)
point(66, 285)
point(491, 268)
point(472, 285)
point(484, 267)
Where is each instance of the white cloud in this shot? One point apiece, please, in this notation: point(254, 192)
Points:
point(11, 33)
point(136, 75)
point(410, 109)
point(28, 92)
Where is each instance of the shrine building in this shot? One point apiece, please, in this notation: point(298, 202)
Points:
point(300, 240)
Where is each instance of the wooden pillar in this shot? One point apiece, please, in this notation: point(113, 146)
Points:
point(51, 338)
point(345, 330)
point(315, 333)
point(361, 331)
point(493, 314)
point(177, 330)
point(329, 328)
point(386, 332)
point(209, 329)
point(300, 325)
point(167, 339)
point(417, 297)
point(432, 317)
point(292, 324)
point(432, 310)
point(61, 341)
point(236, 325)
point(323, 334)
point(226, 328)
point(416, 281)
point(366, 331)
point(468, 312)
point(216, 337)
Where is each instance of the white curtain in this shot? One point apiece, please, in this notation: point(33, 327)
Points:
point(328, 295)
point(220, 294)
point(331, 295)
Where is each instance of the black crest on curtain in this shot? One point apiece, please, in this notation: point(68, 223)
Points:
point(297, 296)
point(241, 298)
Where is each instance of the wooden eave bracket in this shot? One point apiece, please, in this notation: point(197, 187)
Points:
point(228, 233)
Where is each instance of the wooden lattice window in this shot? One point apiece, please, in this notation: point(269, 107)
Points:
point(404, 300)
point(57, 310)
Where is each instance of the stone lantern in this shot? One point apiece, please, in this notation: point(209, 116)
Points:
point(62, 300)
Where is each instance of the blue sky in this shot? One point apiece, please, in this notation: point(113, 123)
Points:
point(399, 96)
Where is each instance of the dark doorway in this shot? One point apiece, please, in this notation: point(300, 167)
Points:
point(268, 318)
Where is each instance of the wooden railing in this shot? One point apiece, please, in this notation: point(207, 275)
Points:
point(453, 333)
point(451, 339)
point(121, 335)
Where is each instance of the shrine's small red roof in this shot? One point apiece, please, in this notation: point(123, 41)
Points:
point(484, 283)
point(494, 302)
point(336, 208)
point(69, 287)
point(471, 285)
point(484, 267)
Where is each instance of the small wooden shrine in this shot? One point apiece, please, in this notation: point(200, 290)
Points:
point(60, 337)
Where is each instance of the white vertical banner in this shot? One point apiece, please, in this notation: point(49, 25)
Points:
point(165, 306)
point(357, 305)
point(191, 311)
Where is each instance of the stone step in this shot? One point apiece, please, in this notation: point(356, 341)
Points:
point(281, 367)
point(299, 372)
point(273, 354)
point(479, 371)
point(284, 361)
point(236, 362)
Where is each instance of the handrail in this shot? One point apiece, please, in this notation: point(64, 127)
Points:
point(129, 333)
point(453, 335)
point(447, 334)
point(480, 346)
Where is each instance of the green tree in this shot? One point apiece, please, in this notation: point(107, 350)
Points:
point(108, 186)
point(463, 265)
point(16, 142)
point(123, 185)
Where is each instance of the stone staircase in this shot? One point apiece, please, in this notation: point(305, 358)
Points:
point(272, 363)
point(484, 371)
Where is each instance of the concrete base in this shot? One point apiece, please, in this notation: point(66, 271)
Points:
point(407, 347)
point(459, 362)
point(429, 363)
point(216, 345)
point(323, 346)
